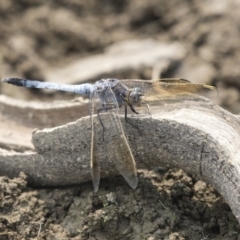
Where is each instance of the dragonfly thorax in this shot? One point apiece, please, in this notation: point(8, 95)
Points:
point(135, 96)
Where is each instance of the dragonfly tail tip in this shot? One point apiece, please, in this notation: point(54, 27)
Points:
point(5, 80)
point(14, 81)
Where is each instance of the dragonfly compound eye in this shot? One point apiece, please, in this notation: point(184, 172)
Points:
point(136, 96)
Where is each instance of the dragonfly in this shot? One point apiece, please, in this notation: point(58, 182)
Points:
point(107, 96)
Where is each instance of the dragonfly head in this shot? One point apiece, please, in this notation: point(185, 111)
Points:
point(135, 96)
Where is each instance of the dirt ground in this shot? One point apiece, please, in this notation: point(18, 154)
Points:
point(168, 203)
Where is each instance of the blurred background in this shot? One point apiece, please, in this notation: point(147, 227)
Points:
point(76, 41)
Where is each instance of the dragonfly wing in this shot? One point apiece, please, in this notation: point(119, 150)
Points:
point(139, 82)
point(94, 162)
point(155, 90)
point(116, 143)
point(173, 80)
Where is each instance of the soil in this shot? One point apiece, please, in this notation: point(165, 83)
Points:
point(168, 203)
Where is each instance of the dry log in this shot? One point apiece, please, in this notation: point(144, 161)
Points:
point(18, 118)
point(36, 114)
point(195, 135)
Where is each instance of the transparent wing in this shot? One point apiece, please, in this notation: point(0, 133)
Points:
point(94, 161)
point(155, 90)
point(173, 80)
point(117, 145)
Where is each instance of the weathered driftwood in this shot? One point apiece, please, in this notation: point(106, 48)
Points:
point(18, 118)
point(36, 114)
point(195, 135)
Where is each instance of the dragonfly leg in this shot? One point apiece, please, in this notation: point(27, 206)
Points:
point(126, 118)
point(133, 109)
point(149, 113)
point(148, 109)
point(104, 109)
point(98, 113)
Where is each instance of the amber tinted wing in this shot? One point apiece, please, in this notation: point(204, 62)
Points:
point(173, 80)
point(173, 88)
point(140, 83)
point(94, 161)
point(118, 149)
point(116, 144)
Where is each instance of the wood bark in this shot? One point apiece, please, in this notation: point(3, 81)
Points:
point(192, 134)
